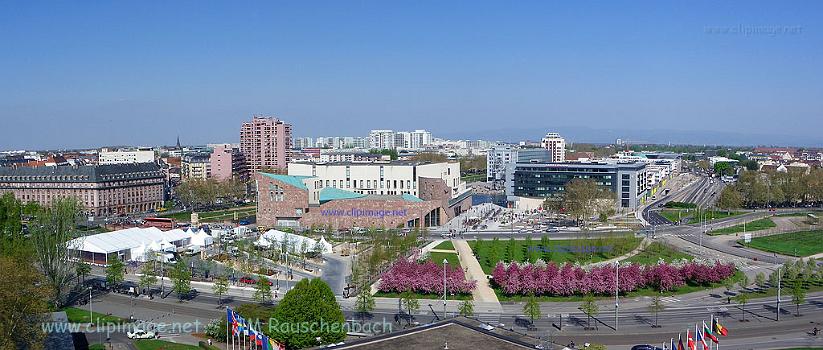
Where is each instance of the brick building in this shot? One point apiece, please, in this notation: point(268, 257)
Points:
point(430, 196)
point(102, 189)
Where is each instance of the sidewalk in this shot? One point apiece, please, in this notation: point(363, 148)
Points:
point(483, 292)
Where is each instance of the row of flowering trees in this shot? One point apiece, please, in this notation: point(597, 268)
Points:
point(568, 279)
point(423, 277)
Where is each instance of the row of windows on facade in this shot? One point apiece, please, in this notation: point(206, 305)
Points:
point(367, 184)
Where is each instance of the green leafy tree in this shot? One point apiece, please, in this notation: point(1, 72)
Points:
point(546, 248)
point(798, 295)
point(365, 302)
point(148, 277)
point(24, 294)
point(220, 287)
point(262, 290)
point(82, 269)
point(313, 302)
point(466, 308)
point(409, 301)
point(742, 299)
point(510, 248)
point(655, 307)
point(760, 280)
point(115, 272)
point(181, 279)
point(582, 197)
point(590, 308)
point(532, 308)
point(730, 198)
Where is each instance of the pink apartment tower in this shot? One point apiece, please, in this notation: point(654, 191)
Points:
point(265, 142)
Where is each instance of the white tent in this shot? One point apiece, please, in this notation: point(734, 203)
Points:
point(127, 244)
point(201, 238)
point(295, 242)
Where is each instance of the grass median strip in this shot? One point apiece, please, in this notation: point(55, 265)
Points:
point(757, 225)
point(77, 315)
point(801, 243)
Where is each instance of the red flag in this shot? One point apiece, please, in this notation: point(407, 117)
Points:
point(690, 341)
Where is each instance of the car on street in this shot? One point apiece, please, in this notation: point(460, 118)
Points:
point(552, 229)
point(249, 280)
point(645, 347)
point(141, 334)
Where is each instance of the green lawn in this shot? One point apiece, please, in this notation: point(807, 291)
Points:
point(559, 251)
point(154, 344)
point(674, 215)
point(799, 214)
point(713, 215)
point(438, 257)
point(757, 225)
point(77, 315)
point(97, 347)
point(656, 251)
point(218, 215)
point(446, 245)
point(473, 177)
point(801, 243)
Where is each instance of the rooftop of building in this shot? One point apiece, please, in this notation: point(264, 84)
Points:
point(592, 164)
point(85, 173)
point(458, 333)
point(385, 162)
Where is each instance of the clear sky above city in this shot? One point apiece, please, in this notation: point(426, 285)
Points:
point(88, 74)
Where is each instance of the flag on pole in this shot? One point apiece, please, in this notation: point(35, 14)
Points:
point(690, 341)
point(680, 343)
point(698, 335)
point(707, 332)
point(672, 345)
point(719, 328)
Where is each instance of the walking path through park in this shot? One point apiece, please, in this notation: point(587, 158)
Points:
point(630, 254)
point(483, 292)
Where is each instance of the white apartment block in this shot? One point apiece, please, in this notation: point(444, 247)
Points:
point(381, 139)
point(125, 157)
point(497, 158)
point(420, 139)
point(556, 145)
point(402, 139)
point(382, 178)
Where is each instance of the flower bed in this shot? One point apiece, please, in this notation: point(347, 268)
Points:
point(423, 277)
point(565, 280)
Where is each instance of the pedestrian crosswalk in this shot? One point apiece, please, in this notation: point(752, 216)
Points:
point(669, 300)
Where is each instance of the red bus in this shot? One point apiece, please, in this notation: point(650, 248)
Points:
point(161, 223)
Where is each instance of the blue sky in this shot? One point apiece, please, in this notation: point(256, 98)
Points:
point(80, 74)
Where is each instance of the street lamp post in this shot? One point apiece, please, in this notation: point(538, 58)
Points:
point(162, 271)
point(445, 262)
point(91, 319)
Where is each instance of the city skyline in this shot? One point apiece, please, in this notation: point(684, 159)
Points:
point(174, 69)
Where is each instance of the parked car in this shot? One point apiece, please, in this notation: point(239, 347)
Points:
point(249, 280)
point(645, 347)
point(141, 334)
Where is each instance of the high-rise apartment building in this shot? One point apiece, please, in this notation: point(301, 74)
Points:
point(420, 139)
point(381, 139)
point(265, 142)
point(556, 144)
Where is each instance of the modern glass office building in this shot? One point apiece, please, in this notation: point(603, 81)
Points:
point(548, 180)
